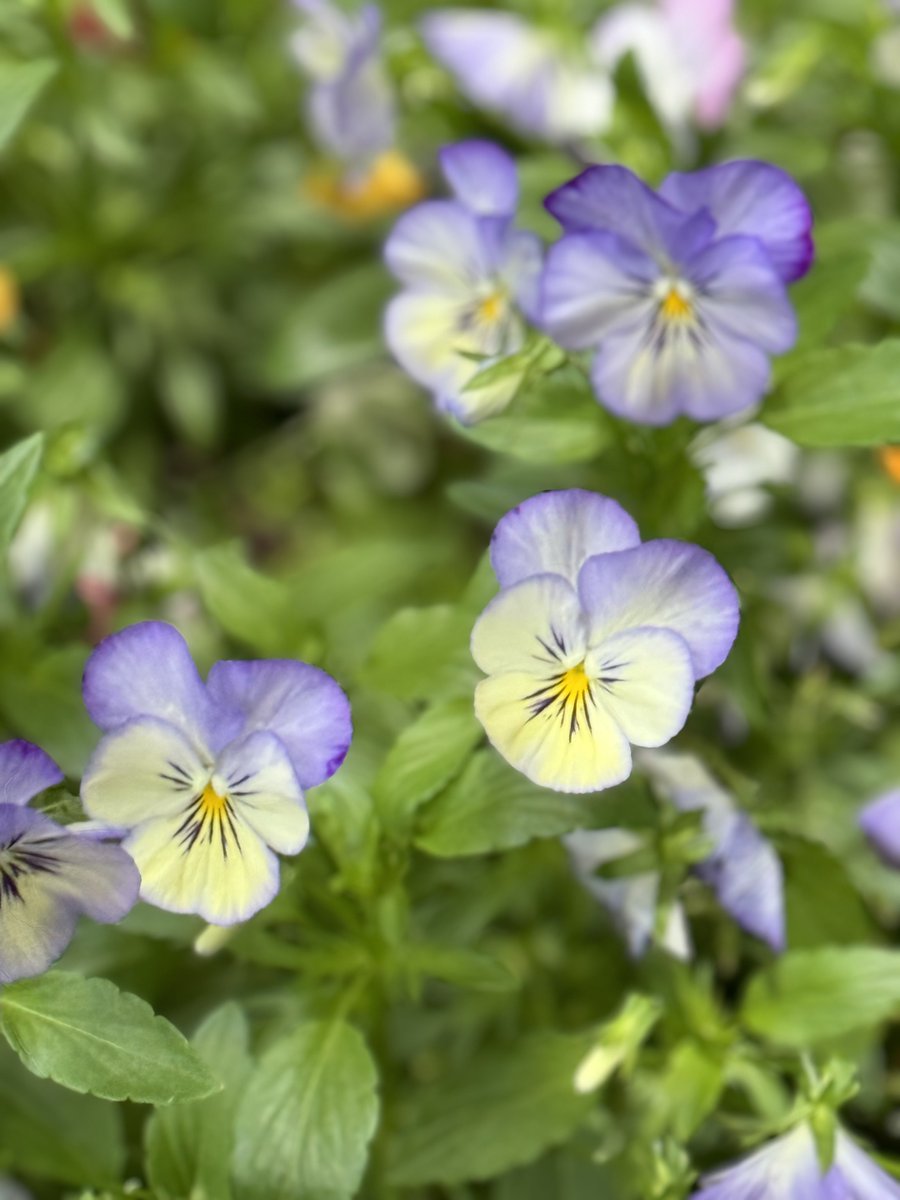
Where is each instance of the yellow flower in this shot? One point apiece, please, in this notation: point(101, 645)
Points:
point(9, 299)
point(890, 461)
point(390, 184)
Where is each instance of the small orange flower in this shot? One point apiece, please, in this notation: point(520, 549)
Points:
point(890, 461)
point(9, 299)
point(392, 183)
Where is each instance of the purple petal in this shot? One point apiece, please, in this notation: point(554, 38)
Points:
point(482, 177)
point(594, 286)
point(556, 532)
point(707, 375)
point(146, 670)
point(747, 876)
point(25, 770)
point(302, 705)
point(863, 1178)
point(614, 199)
point(880, 822)
point(440, 245)
point(668, 584)
point(523, 258)
point(756, 199)
point(742, 295)
point(58, 877)
point(786, 1167)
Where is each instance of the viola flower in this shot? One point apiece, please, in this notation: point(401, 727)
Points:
point(631, 901)
point(470, 280)
point(596, 640)
point(352, 112)
point(681, 292)
point(207, 778)
point(742, 867)
point(880, 822)
point(50, 875)
point(789, 1167)
point(503, 63)
point(688, 53)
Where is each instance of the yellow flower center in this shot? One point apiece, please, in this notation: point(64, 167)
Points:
point(492, 307)
point(211, 803)
point(676, 307)
point(574, 685)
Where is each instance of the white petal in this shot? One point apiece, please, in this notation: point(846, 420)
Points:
point(571, 747)
point(257, 776)
point(645, 681)
point(144, 769)
point(533, 626)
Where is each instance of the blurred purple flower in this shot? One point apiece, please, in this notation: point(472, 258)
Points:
point(682, 291)
point(688, 53)
point(880, 822)
point(470, 279)
point(507, 65)
point(788, 1168)
point(596, 641)
point(350, 102)
point(207, 778)
point(50, 875)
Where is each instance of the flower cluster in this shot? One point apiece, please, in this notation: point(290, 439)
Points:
point(740, 866)
point(204, 782)
point(596, 640)
point(560, 90)
point(680, 293)
point(469, 278)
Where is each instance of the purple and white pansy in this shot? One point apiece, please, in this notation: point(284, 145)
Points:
point(350, 101)
point(470, 281)
point(206, 779)
point(681, 292)
point(595, 641)
point(741, 867)
point(557, 92)
point(50, 874)
point(788, 1168)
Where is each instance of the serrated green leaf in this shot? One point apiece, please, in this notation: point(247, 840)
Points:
point(847, 396)
point(18, 470)
point(307, 1116)
point(249, 606)
point(810, 996)
point(502, 1111)
point(491, 807)
point(189, 1146)
point(90, 1037)
point(20, 86)
point(426, 756)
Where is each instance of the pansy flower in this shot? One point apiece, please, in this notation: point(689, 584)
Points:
point(50, 875)
point(470, 279)
point(631, 901)
point(788, 1168)
point(595, 641)
point(528, 75)
point(207, 779)
point(880, 822)
point(681, 292)
point(688, 53)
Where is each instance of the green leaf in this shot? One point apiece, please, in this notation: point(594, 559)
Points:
point(823, 906)
point(426, 756)
point(830, 289)
point(189, 1146)
point(423, 653)
point(849, 396)
point(254, 609)
point(554, 420)
point(20, 86)
point(499, 1112)
point(40, 697)
point(90, 1037)
point(18, 470)
point(490, 807)
point(465, 968)
point(810, 996)
point(51, 1133)
point(307, 1116)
